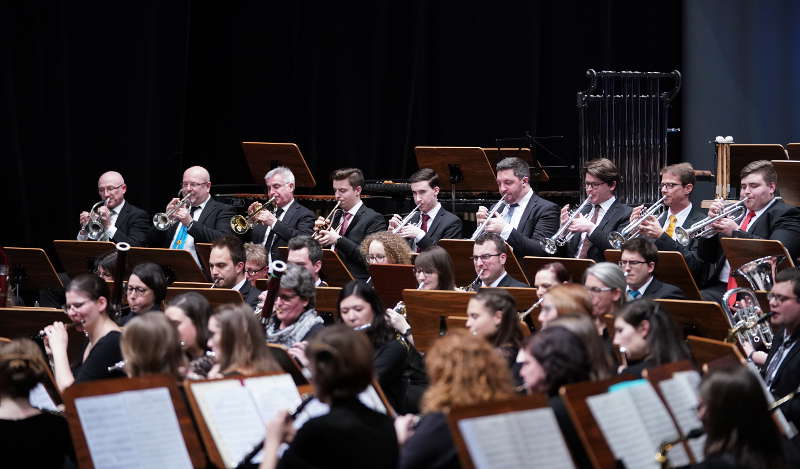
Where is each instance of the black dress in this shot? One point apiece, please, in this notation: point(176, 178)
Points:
point(105, 353)
point(41, 441)
point(431, 446)
point(391, 362)
point(349, 436)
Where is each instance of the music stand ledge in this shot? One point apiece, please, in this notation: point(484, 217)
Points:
point(670, 268)
point(263, 156)
point(460, 251)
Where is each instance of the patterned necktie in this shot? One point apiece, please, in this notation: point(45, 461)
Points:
point(425, 218)
point(671, 227)
point(345, 223)
point(633, 294)
point(586, 243)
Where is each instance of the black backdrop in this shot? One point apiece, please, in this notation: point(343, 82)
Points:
point(151, 87)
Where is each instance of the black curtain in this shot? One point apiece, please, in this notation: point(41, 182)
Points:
point(149, 88)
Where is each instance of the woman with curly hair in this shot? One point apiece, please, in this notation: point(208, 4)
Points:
point(384, 247)
point(463, 370)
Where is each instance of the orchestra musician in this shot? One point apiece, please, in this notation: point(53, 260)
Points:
point(607, 215)
point(606, 284)
point(384, 247)
point(355, 221)
point(638, 261)
point(290, 219)
point(492, 314)
point(294, 318)
point(151, 345)
point(123, 221)
point(203, 221)
point(582, 326)
point(434, 269)
point(433, 222)
point(548, 276)
point(237, 340)
point(567, 298)
point(146, 291)
point(489, 254)
point(189, 312)
point(306, 252)
point(527, 218)
point(256, 266)
point(227, 261)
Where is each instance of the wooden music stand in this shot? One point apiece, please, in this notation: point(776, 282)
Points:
point(25, 322)
point(575, 267)
point(741, 251)
point(287, 363)
point(459, 413)
point(333, 271)
point(215, 296)
point(427, 312)
point(33, 267)
point(789, 180)
point(78, 257)
point(464, 167)
point(263, 156)
point(700, 318)
point(793, 149)
point(460, 251)
point(456, 322)
point(524, 297)
point(705, 350)
point(203, 253)
point(670, 268)
point(179, 261)
point(389, 281)
point(743, 154)
point(114, 386)
point(328, 299)
point(191, 284)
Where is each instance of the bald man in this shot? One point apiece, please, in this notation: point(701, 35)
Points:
point(205, 221)
point(123, 221)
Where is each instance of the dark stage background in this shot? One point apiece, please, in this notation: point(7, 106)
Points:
point(151, 87)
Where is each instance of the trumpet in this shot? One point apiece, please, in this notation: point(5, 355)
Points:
point(325, 224)
point(631, 230)
point(94, 228)
point(406, 220)
point(497, 208)
point(241, 224)
point(163, 221)
point(563, 236)
point(703, 229)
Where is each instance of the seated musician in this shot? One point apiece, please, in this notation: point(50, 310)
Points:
point(354, 222)
point(638, 261)
point(293, 318)
point(767, 217)
point(237, 340)
point(255, 266)
point(434, 269)
point(87, 307)
point(189, 312)
point(203, 221)
point(227, 261)
point(350, 435)
point(489, 254)
point(606, 284)
point(433, 222)
point(567, 298)
point(492, 314)
point(463, 371)
point(648, 336)
point(602, 362)
point(122, 221)
point(607, 214)
point(306, 252)
point(147, 288)
point(290, 219)
point(527, 218)
point(550, 275)
point(385, 247)
point(29, 437)
point(151, 345)
point(106, 265)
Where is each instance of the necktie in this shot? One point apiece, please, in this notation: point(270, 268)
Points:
point(425, 218)
point(776, 360)
point(746, 220)
point(671, 227)
point(345, 223)
point(633, 294)
point(271, 237)
point(510, 212)
point(731, 280)
point(586, 243)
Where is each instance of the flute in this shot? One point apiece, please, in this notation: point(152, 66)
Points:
point(41, 334)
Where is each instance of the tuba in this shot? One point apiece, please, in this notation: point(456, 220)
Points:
point(761, 272)
point(618, 238)
point(241, 224)
point(748, 323)
point(563, 236)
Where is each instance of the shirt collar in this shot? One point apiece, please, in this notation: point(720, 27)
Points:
point(432, 213)
point(608, 203)
point(239, 285)
point(355, 208)
point(118, 209)
point(641, 289)
point(203, 205)
point(498, 279)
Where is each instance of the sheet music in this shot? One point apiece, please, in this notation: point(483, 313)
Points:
point(133, 429)
point(370, 398)
point(40, 398)
point(623, 429)
point(273, 394)
point(680, 392)
point(316, 408)
point(231, 416)
point(657, 421)
point(515, 439)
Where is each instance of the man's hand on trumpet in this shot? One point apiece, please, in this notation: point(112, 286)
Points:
point(495, 224)
point(480, 215)
point(411, 232)
point(184, 216)
point(650, 228)
point(636, 213)
point(264, 217)
point(327, 237)
point(723, 226)
point(395, 221)
point(581, 224)
point(105, 216)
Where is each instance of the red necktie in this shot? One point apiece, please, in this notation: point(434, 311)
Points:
point(586, 243)
point(345, 223)
point(746, 220)
point(732, 281)
point(425, 218)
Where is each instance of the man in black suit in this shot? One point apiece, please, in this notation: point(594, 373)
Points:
point(433, 222)
point(638, 261)
point(354, 222)
point(226, 262)
point(489, 254)
point(527, 218)
point(123, 221)
point(306, 252)
point(204, 221)
point(782, 368)
point(767, 217)
point(290, 218)
point(606, 215)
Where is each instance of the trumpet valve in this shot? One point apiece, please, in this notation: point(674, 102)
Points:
point(254, 208)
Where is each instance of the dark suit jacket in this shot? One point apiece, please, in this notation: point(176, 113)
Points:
point(250, 294)
point(298, 220)
point(214, 222)
point(509, 281)
point(658, 290)
point(787, 378)
point(614, 220)
point(704, 273)
point(133, 226)
point(444, 226)
point(539, 221)
point(365, 222)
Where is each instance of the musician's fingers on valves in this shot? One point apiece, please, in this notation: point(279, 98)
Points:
point(650, 228)
point(636, 212)
point(480, 215)
point(84, 218)
point(581, 224)
point(395, 221)
point(564, 214)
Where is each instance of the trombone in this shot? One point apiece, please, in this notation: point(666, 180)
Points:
point(703, 229)
point(163, 221)
point(562, 236)
point(498, 207)
point(618, 238)
point(94, 228)
point(241, 224)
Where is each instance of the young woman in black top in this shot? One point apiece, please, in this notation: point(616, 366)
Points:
point(492, 314)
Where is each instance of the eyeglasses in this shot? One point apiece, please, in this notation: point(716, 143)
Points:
point(287, 298)
point(593, 185)
point(423, 272)
point(137, 290)
point(105, 189)
point(253, 272)
point(779, 298)
point(483, 257)
point(598, 289)
point(193, 185)
point(631, 263)
point(376, 257)
point(668, 185)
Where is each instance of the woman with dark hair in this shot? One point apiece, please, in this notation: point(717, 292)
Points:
point(582, 326)
point(434, 269)
point(492, 314)
point(361, 309)
point(237, 340)
point(147, 289)
point(548, 276)
point(190, 312)
point(29, 437)
point(350, 435)
point(87, 307)
point(647, 337)
point(105, 266)
point(151, 345)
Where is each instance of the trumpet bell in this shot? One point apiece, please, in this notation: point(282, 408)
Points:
point(550, 246)
point(161, 221)
point(616, 239)
point(760, 273)
point(240, 224)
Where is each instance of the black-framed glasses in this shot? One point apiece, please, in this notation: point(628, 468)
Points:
point(593, 185)
point(287, 298)
point(253, 272)
point(483, 257)
point(669, 185)
point(631, 263)
point(137, 290)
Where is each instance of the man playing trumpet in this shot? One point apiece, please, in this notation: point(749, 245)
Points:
point(121, 220)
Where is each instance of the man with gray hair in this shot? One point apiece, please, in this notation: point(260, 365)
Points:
point(290, 219)
point(527, 218)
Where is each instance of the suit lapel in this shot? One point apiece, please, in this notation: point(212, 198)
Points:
point(528, 213)
point(206, 211)
point(612, 211)
point(122, 214)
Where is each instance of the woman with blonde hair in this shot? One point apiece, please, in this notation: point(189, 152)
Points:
point(463, 370)
point(563, 299)
point(384, 247)
point(151, 345)
point(237, 340)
